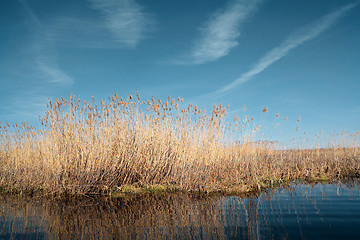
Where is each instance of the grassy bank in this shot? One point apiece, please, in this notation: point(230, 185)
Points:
point(84, 148)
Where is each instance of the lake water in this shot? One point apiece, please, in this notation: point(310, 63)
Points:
point(321, 211)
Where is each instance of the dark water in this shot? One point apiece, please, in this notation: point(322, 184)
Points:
point(322, 211)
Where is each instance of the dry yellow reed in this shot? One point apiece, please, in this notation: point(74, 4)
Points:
point(85, 148)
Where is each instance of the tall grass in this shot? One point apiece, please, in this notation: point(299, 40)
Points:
point(90, 148)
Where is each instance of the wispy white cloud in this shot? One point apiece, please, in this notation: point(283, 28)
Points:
point(30, 15)
point(76, 32)
point(26, 104)
point(125, 19)
point(34, 69)
point(123, 24)
point(29, 103)
point(293, 41)
point(52, 72)
point(40, 55)
point(220, 33)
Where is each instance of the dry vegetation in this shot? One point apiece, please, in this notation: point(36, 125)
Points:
point(86, 148)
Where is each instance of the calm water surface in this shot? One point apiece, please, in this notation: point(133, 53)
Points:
point(321, 211)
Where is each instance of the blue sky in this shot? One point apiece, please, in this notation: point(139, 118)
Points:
point(299, 58)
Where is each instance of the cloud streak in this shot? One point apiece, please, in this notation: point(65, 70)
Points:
point(41, 57)
point(125, 19)
point(29, 13)
point(52, 72)
point(28, 103)
point(299, 37)
point(219, 34)
point(75, 32)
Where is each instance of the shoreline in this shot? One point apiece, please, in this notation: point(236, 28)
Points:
point(130, 192)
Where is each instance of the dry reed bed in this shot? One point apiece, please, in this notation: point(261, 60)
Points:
point(89, 148)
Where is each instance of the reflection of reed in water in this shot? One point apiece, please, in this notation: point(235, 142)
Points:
point(285, 213)
point(262, 216)
point(293, 211)
point(21, 220)
point(157, 217)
